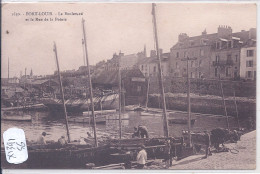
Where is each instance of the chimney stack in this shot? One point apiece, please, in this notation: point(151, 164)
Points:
point(224, 31)
point(182, 37)
point(153, 53)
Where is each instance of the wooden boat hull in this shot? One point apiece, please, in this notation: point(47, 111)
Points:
point(17, 117)
point(59, 158)
point(103, 112)
point(180, 121)
point(111, 152)
point(78, 105)
point(35, 106)
point(151, 114)
point(99, 119)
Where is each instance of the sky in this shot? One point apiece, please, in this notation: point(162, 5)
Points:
point(110, 27)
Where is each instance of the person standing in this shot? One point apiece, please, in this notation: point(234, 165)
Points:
point(141, 157)
point(143, 131)
point(207, 143)
point(41, 140)
point(136, 133)
point(62, 141)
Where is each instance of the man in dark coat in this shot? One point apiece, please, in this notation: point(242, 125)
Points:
point(143, 131)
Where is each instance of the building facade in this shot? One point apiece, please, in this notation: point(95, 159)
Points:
point(213, 56)
point(197, 48)
point(149, 66)
point(248, 61)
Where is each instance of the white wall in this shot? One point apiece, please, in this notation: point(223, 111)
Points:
point(244, 59)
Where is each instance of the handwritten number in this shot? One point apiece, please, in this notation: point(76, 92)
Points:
point(22, 145)
point(10, 143)
point(12, 155)
point(11, 148)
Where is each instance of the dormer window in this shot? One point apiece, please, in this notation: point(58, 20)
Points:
point(203, 41)
point(229, 44)
point(177, 55)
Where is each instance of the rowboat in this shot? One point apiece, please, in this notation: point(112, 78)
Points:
point(16, 117)
point(34, 106)
point(101, 119)
point(113, 111)
point(151, 114)
point(180, 121)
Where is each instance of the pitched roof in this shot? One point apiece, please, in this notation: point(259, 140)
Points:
point(209, 39)
point(110, 77)
point(40, 82)
point(164, 57)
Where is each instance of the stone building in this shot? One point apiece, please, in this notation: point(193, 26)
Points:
point(126, 61)
point(149, 66)
point(217, 55)
point(248, 61)
point(197, 47)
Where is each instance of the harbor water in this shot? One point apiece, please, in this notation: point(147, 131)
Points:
point(54, 125)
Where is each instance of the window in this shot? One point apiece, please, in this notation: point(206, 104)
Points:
point(216, 72)
point(199, 74)
point(202, 52)
point(177, 65)
point(249, 63)
point(200, 63)
point(229, 59)
point(249, 74)
point(229, 44)
point(217, 45)
point(235, 74)
point(139, 88)
point(236, 58)
point(250, 53)
point(191, 63)
point(191, 75)
point(227, 71)
point(185, 54)
point(177, 55)
point(154, 69)
point(142, 67)
point(217, 58)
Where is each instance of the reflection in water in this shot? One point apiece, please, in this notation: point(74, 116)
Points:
point(55, 125)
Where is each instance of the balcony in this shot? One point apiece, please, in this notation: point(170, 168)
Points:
point(223, 63)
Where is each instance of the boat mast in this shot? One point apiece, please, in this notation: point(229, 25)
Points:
point(8, 69)
point(224, 102)
point(166, 132)
point(236, 109)
point(119, 96)
point(123, 95)
point(147, 93)
point(61, 91)
point(188, 96)
point(90, 85)
point(85, 70)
